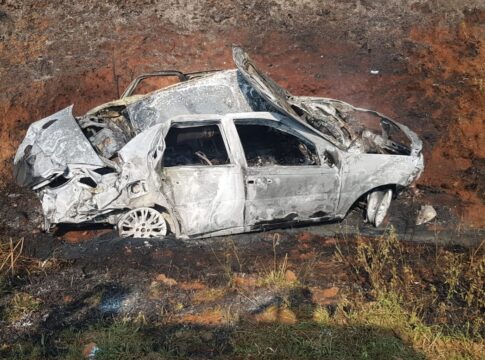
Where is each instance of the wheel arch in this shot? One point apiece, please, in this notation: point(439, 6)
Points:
point(396, 188)
point(170, 217)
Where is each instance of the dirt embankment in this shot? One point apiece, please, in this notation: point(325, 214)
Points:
point(429, 56)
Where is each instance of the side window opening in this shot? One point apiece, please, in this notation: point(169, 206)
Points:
point(265, 146)
point(197, 145)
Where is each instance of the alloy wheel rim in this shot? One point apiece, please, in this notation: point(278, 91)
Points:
point(142, 223)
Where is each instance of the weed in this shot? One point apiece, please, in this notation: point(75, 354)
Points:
point(227, 264)
point(279, 276)
point(119, 340)
point(321, 315)
point(208, 295)
point(312, 340)
point(442, 316)
point(396, 309)
point(14, 262)
point(22, 304)
point(10, 253)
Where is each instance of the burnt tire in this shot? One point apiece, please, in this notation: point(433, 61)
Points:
point(378, 203)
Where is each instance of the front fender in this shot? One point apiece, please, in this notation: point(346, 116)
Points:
point(364, 172)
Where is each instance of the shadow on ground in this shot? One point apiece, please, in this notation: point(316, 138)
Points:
point(89, 325)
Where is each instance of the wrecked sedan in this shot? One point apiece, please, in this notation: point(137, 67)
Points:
point(216, 153)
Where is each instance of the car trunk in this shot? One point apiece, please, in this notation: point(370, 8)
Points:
point(50, 145)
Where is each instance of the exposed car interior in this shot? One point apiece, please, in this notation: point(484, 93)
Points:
point(265, 146)
point(198, 145)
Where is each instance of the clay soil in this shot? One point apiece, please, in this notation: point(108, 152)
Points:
point(430, 58)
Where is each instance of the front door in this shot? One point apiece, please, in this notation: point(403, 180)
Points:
point(285, 180)
point(205, 184)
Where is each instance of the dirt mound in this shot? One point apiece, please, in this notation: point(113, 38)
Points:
point(450, 63)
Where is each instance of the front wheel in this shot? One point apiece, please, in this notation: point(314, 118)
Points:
point(142, 223)
point(378, 203)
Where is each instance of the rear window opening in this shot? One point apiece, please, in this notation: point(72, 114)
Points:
point(265, 146)
point(198, 145)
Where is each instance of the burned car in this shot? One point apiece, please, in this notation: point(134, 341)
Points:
point(216, 153)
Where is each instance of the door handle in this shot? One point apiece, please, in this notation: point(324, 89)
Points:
point(260, 180)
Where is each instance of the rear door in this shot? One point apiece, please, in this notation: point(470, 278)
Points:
point(205, 183)
point(285, 178)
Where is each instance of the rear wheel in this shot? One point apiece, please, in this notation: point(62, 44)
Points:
point(378, 203)
point(142, 223)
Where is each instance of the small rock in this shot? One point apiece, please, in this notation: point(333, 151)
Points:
point(67, 299)
point(127, 251)
point(244, 281)
point(165, 280)
point(277, 314)
point(425, 214)
point(79, 236)
point(196, 285)
point(90, 350)
point(330, 292)
point(290, 276)
point(324, 296)
point(305, 236)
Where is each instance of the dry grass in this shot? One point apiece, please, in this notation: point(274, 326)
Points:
point(439, 312)
point(208, 295)
point(279, 276)
point(13, 261)
point(406, 302)
point(21, 305)
point(10, 256)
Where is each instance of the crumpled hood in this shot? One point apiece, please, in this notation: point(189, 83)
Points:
point(49, 146)
point(316, 112)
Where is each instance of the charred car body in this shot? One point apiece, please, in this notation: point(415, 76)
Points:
point(217, 153)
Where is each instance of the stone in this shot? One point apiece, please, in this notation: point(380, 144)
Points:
point(244, 281)
point(275, 314)
point(90, 350)
point(290, 276)
point(426, 214)
point(162, 278)
point(324, 296)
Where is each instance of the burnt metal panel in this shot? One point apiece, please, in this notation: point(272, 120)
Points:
point(49, 146)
